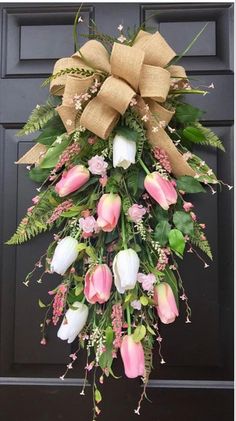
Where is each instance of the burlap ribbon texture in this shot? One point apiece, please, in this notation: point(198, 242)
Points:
point(139, 71)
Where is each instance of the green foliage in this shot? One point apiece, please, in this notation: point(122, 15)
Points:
point(196, 239)
point(183, 222)
point(135, 180)
point(205, 136)
point(39, 174)
point(53, 153)
point(189, 184)
point(139, 333)
point(38, 118)
point(177, 242)
point(132, 120)
point(37, 221)
point(48, 135)
point(128, 133)
point(186, 113)
point(69, 71)
point(202, 169)
point(161, 232)
point(170, 279)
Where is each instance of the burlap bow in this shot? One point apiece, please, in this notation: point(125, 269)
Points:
point(138, 70)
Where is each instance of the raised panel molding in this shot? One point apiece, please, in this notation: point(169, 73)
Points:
point(180, 23)
point(27, 32)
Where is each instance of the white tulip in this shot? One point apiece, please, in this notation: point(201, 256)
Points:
point(73, 322)
point(125, 269)
point(65, 254)
point(124, 152)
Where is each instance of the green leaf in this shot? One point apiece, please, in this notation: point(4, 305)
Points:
point(39, 174)
point(209, 137)
point(78, 289)
point(177, 242)
point(161, 214)
point(193, 134)
point(91, 253)
point(143, 300)
point(150, 330)
point(189, 185)
point(48, 136)
point(183, 222)
point(109, 336)
point(189, 46)
point(186, 113)
point(161, 232)
point(105, 360)
point(41, 305)
point(81, 247)
point(127, 133)
point(97, 396)
point(139, 333)
point(172, 281)
point(54, 152)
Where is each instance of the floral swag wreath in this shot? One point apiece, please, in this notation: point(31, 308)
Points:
point(114, 177)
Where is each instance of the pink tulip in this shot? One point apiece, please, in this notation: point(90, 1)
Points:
point(98, 282)
point(161, 190)
point(72, 180)
point(108, 211)
point(165, 303)
point(133, 357)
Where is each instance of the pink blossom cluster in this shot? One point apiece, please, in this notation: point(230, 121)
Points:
point(136, 212)
point(66, 156)
point(117, 321)
point(162, 157)
point(187, 206)
point(163, 259)
point(147, 281)
point(97, 165)
point(58, 302)
point(64, 206)
point(88, 225)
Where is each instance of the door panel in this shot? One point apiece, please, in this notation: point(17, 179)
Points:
point(196, 380)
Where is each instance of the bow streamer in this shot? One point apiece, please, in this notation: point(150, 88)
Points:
point(141, 70)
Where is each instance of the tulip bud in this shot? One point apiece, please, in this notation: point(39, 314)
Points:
point(165, 303)
point(98, 282)
point(108, 211)
point(125, 269)
point(65, 254)
point(73, 322)
point(124, 151)
point(132, 355)
point(160, 189)
point(72, 180)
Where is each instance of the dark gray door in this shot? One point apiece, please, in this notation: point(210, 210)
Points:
point(195, 382)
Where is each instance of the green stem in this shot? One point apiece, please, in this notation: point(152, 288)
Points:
point(128, 319)
point(83, 300)
point(123, 230)
point(144, 166)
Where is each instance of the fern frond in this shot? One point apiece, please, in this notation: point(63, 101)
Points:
point(196, 239)
point(132, 120)
point(26, 230)
point(126, 203)
point(69, 71)
point(209, 137)
point(36, 222)
point(38, 118)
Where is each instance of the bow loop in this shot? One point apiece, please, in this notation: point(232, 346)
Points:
point(126, 63)
point(116, 93)
point(154, 83)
